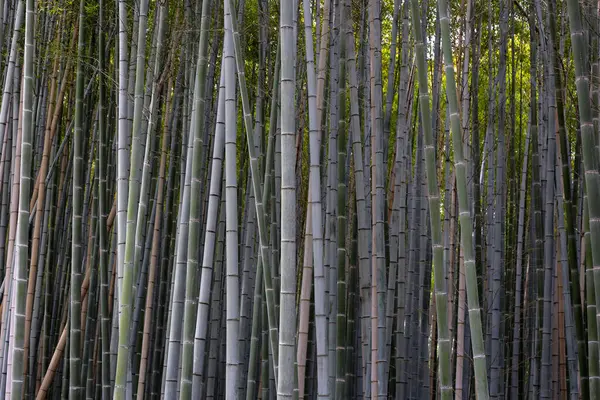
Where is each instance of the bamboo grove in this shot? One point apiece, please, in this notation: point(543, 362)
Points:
point(316, 199)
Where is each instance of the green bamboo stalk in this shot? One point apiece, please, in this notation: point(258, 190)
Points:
point(102, 191)
point(252, 383)
point(259, 283)
point(340, 358)
point(594, 374)
point(536, 193)
point(588, 139)
point(191, 289)
point(569, 221)
point(176, 313)
point(134, 189)
point(441, 294)
point(466, 222)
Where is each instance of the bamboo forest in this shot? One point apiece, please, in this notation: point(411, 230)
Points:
point(300, 199)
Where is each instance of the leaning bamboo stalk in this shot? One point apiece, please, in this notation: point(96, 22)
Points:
point(152, 277)
point(258, 288)
point(315, 214)
point(122, 382)
point(254, 171)
point(53, 366)
point(202, 322)
point(466, 222)
point(441, 293)
point(58, 352)
point(35, 243)
point(191, 288)
point(178, 280)
point(304, 312)
point(8, 78)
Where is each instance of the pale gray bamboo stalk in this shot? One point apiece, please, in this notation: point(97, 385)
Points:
point(122, 146)
point(231, 217)
point(287, 318)
point(178, 279)
point(16, 387)
point(316, 211)
point(364, 228)
point(176, 314)
point(202, 322)
point(194, 235)
point(258, 289)
point(330, 192)
point(9, 298)
point(8, 315)
point(9, 71)
point(216, 298)
point(378, 272)
point(403, 143)
point(305, 297)
point(254, 169)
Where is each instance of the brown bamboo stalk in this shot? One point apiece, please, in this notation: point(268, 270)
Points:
point(64, 85)
point(14, 212)
point(58, 351)
point(155, 251)
point(53, 366)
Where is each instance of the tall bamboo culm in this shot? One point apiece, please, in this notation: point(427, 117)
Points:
point(441, 294)
point(15, 385)
point(464, 209)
